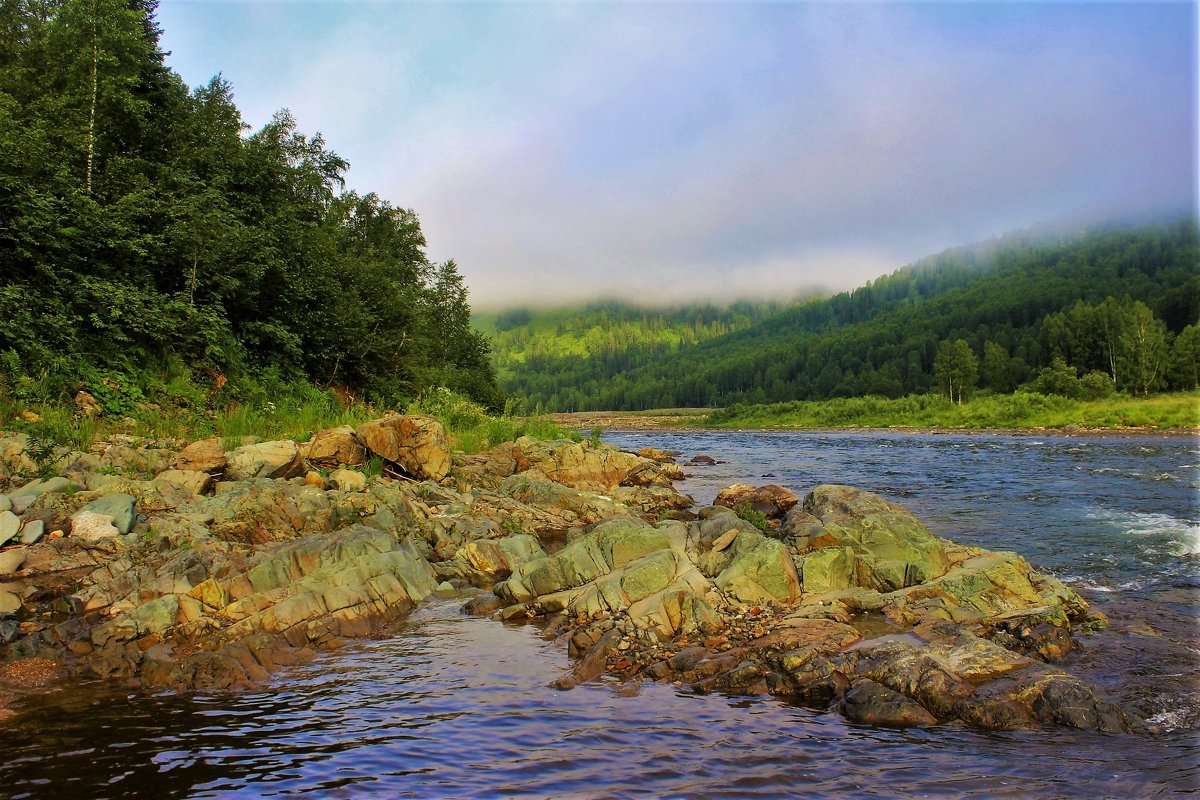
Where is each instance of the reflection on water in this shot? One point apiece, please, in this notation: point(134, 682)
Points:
point(453, 706)
point(458, 707)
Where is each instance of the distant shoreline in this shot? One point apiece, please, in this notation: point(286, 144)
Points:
point(665, 421)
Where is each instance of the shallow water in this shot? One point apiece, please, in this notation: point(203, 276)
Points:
point(453, 706)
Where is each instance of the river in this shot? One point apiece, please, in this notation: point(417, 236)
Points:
point(453, 706)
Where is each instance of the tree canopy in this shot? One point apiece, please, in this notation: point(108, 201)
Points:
point(141, 220)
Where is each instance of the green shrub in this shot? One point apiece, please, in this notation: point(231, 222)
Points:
point(756, 518)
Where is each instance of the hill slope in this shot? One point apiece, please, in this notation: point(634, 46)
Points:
point(1018, 293)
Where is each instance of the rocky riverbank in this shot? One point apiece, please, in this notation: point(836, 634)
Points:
point(213, 564)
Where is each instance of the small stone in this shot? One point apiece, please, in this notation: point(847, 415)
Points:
point(92, 526)
point(32, 531)
point(724, 540)
point(348, 480)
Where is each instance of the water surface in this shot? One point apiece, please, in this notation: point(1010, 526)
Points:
point(452, 706)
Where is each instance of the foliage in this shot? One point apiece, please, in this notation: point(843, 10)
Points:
point(43, 448)
point(1011, 300)
point(1019, 410)
point(373, 468)
point(756, 518)
point(142, 224)
point(472, 429)
point(956, 369)
point(565, 357)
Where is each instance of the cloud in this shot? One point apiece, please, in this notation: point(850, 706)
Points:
point(660, 152)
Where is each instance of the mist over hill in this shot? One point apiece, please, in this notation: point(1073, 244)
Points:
point(1018, 302)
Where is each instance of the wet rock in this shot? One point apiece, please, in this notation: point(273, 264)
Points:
point(1065, 700)
point(871, 703)
point(655, 454)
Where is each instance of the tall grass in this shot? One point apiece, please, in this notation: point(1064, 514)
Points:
point(266, 407)
point(473, 430)
point(1019, 410)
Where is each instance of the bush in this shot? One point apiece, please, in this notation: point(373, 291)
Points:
point(1096, 385)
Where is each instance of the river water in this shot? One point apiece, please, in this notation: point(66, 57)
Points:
point(453, 706)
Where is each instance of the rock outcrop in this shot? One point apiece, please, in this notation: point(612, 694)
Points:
point(199, 567)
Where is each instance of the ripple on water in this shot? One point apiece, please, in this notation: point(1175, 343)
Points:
point(459, 707)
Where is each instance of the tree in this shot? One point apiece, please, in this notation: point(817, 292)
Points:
point(956, 369)
point(996, 369)
point(1185, 358)
point(1143, 350)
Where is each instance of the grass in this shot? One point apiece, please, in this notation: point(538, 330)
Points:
point(1019, 410)
point(282, 410)
point(473, 430)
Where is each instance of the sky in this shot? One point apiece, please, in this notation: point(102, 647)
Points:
point(667, 152)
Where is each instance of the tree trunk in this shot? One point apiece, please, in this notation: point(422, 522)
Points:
point(91, 136)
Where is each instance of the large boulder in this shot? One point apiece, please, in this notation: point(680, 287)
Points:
point(334, 447)
point(417, 443)
point(279, 459)
point(887, 546)
point(576, 464)
point(118, 507)
point(206, 455)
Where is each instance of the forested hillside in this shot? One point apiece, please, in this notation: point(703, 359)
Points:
point(144, 230)
point(549, 355)
point(1016, 304)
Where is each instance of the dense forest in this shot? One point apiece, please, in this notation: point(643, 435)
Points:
point(144, 230)
point(606, 338)
point(1112, 309)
